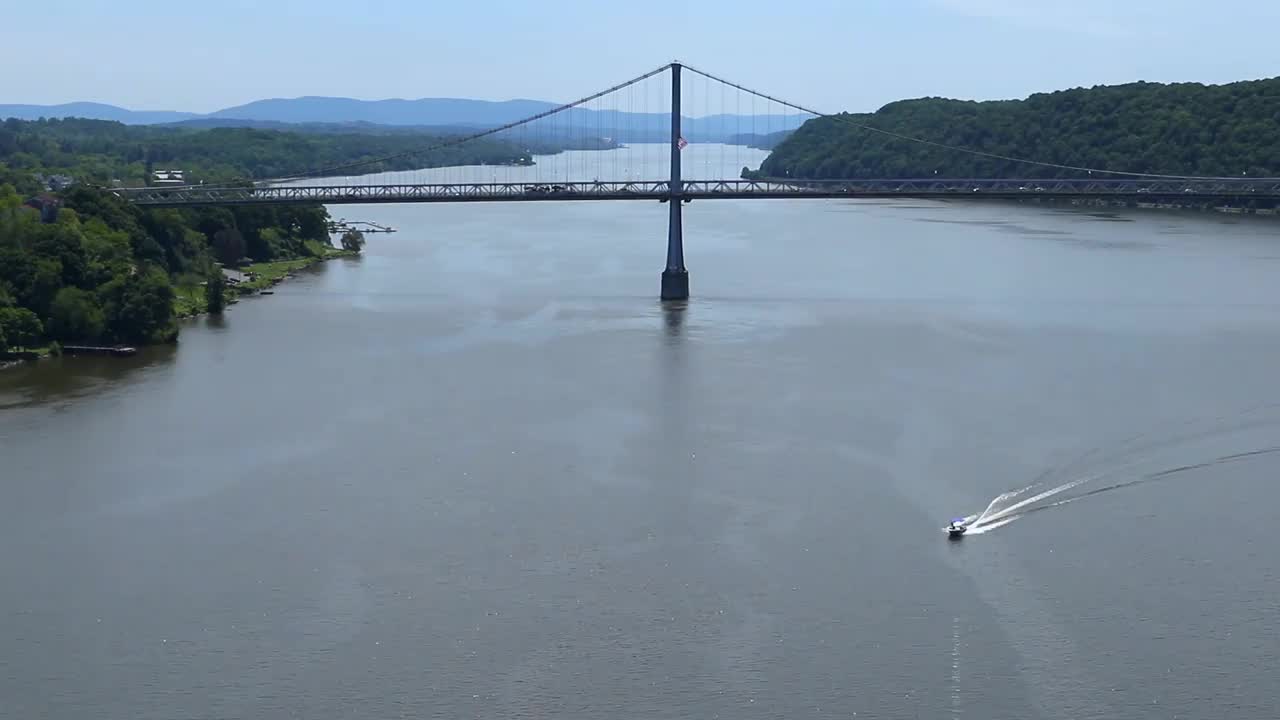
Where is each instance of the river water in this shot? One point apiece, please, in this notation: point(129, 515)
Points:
point(482, 472)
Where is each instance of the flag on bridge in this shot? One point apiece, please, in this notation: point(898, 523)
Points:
point(681, 142)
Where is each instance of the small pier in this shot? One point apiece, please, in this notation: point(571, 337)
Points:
point(342, 225)
point(112, 350)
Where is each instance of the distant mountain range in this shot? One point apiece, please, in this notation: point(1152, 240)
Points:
point(329, 114)
point(93, 111)
point(427, 111)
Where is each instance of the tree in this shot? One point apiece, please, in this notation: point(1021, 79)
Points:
point(270, 245)
point(214, 292)
point(9, 197)
point(45, 282)
point(228, 245)
point(107, 253)
point(353, 240)
point(99, 151)
point(1140, 127)
point(139, 307)
point(312, 222)
point(63, 242)
point(6, 301)
point(20, 326)
point(76, 316)
point(102, 270)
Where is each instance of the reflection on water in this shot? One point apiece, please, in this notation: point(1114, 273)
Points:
point(484, 472)
point(673, 315)
point(55, 379)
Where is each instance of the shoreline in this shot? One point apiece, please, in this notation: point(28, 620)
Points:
point(188, 305)
point(1185, 208)
point(189, 302)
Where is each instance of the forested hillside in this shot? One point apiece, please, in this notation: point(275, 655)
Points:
point(100, 151)
point(1187, 128)
point(105, 271)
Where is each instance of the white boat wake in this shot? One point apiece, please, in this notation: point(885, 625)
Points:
point(1014, 505)
point(1139, 459)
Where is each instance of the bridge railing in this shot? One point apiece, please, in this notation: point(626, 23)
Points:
point(1192, 189)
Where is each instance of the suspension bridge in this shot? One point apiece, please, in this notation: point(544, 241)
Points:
point(629, 142)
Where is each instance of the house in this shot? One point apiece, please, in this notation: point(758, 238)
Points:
point(167, 177)
point(47, 205)
point(55, 183)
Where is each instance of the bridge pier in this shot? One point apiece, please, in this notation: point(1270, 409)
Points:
point(675, 278)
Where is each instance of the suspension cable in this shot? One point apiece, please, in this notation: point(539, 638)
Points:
point(453, 142)
point(954, 148)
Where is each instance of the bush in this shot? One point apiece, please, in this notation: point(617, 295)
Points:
point(353, 240)
point(76, 316)
point(215, 292)
point(20, 327)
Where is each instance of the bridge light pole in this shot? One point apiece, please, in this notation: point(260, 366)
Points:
point(675, 278)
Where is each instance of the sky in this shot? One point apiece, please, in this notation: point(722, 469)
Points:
point(833, 55)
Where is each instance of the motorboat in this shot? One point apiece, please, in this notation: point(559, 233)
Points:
point(956, 529)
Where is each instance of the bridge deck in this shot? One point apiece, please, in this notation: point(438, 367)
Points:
point(1152, 190)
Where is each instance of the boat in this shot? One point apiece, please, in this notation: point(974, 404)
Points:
point(956, 529)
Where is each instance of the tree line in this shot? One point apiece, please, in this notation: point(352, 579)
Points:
point(100, 151)
point(1228, 130)
point(104, 271)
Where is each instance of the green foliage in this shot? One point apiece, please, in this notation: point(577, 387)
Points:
point(139, 307)
point(63, 244)
point(16, 185)
point(20, 327)
point(107, 252)
point(103, 271)
point(353, 240)
point(10, 200)
point(46, 278)
point(215, 292)
point(228, 245)
point(76, 316)
point(269, 273)
point(99, 151)
point(1188, 128)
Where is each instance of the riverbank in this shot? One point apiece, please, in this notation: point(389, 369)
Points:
point(189, 300)
point(15, 358)
point(1129, 204)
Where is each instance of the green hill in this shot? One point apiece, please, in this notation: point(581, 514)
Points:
point(100, 150)
point(1185, 128)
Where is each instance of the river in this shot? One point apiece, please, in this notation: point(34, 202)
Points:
point(483, 472)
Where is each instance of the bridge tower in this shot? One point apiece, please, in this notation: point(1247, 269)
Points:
point(675, 278)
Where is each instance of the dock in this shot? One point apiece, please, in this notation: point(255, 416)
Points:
point(342, 225)
point(113, 350)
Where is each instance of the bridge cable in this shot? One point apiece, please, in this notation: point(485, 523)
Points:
point(842, 117)
point(453, 142)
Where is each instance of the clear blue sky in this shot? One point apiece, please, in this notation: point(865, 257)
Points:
point(202, 55)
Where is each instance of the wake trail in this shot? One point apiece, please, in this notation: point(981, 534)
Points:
point(1191, 431)
point(987, 520)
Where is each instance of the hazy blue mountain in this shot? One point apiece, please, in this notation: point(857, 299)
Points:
point(363, 128)
point(93, 111)
point(440, 116)
point(426, 111)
